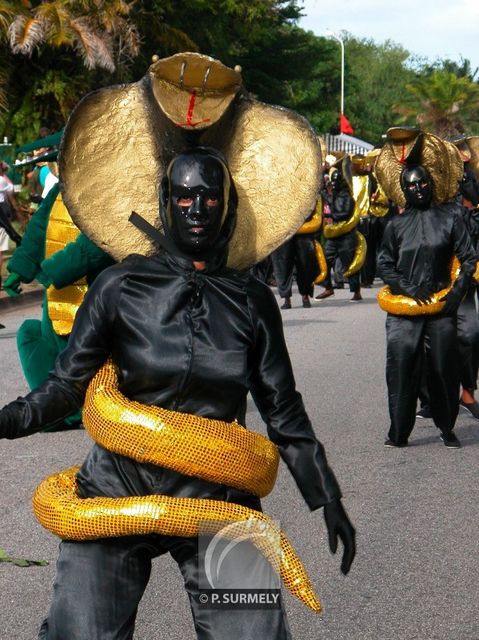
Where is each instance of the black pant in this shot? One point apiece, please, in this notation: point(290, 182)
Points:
point(99, 584)
point(368, 226)
point(409, 340)
point(467, 345)
point(298, 253)
point(468, 340)
point(344, 248)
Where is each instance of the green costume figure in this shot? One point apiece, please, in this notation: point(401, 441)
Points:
point(65, 268)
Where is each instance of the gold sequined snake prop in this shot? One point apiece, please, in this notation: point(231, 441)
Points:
point(337, 229)
point(313, 225)
point(359, 256)
point(400, 305)
point(321, 258)
point(198, 447)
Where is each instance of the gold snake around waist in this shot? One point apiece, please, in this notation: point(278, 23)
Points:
point(314, 224)
point(337, 229)
point(222, 452)
point(214, 450)
point(401, 305)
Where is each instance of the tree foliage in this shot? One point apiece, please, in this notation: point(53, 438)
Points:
point(73, 47)
point(375, 76)
point(55, 51)
point(442, 102)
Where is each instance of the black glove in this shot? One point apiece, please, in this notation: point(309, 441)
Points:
point(453, 300)
point(422, 295)
point(339, 526)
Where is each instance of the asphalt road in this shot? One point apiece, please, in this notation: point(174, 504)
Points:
point(415, 510)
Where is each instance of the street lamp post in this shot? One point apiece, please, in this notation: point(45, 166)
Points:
point(331, 34)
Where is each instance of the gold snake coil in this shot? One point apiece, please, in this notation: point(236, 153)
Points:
point(321, 258)
point(337, 229)
point(314, 224)
point(59, 509)
point(359, 256)
point(400, 305)
point(221, 452)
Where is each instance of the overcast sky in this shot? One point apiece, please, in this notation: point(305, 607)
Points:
point(430, 28)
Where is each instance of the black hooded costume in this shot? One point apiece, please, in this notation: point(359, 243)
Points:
point(415, 260)
point(341, 247)
point(195, 342)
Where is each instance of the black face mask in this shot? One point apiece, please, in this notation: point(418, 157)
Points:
point(416, 185)
point(196, 195)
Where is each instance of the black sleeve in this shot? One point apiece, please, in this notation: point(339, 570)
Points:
point(342, 207)
point(281, 406)
point(88, 347)
point(464, 250)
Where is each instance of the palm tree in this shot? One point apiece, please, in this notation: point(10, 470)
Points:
point(53, 52)
point(442, 103)
point(90, 28)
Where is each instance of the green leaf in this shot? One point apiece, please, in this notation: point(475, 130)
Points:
point(21, 562)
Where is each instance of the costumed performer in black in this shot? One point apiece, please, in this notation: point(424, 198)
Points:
point(185, 332)
point(297, 257)
point(341, 236)
point(421, 173)
point(467, 318)
point(362, 190)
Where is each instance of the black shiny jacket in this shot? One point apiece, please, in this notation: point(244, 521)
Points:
point(191, 341)
point(342, 205)
point(418, 247)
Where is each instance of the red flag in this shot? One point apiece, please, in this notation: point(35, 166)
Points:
point(344, 126)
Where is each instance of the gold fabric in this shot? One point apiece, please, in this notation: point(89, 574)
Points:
point(405, 306)
point(62, 303)
point(359, 255)
point(59, 509)
point(273, 154)
point(218, 451)
point(337, 229)
point(210, 449)
point(314, 224)
point(193, 90)
point(321, 258)
point(379, 206)
point(361, 194)
point(440, 158)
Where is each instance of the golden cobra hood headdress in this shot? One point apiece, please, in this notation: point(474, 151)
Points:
point(406, 145)
point(119, 141)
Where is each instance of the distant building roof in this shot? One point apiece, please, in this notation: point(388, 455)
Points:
point(350, 144)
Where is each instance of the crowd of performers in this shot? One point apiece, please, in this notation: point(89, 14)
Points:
point(340, 238)
point(159, 327)
point(432, 350)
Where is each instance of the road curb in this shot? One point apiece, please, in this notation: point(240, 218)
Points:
point(26, 299)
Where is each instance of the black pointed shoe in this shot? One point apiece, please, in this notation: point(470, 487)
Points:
point(450, 440)
point(398, 445)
